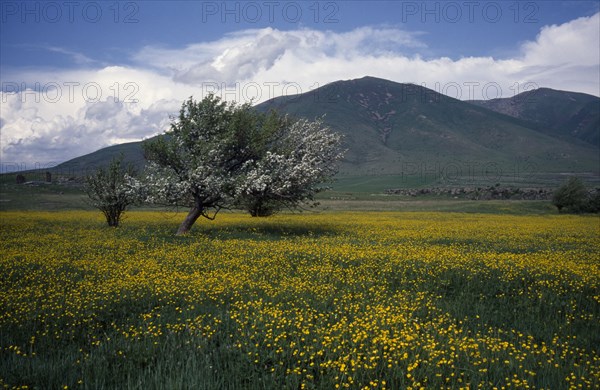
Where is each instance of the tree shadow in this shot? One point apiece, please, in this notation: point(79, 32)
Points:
point(268, 231)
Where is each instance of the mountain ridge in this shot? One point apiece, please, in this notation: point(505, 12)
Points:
point(407, 122)
point(392, 127)
point(563, 114)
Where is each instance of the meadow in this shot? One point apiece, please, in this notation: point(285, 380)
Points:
point(360, 300)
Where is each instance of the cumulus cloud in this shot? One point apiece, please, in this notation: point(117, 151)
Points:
point(71, 113)
point(74, 112)
point(247, 54)
point(565, 56)
point(562, 56)
point(575, 42)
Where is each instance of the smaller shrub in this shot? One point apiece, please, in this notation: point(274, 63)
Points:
point(109, 190)
point(574, 197)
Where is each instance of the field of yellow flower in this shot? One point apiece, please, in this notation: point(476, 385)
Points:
point(333, 300)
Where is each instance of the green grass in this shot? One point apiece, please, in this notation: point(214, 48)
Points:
point(347, 193)
point(44, 196)
point(300, 301)
point(382, 203)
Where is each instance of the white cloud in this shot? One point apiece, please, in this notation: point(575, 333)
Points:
point(565, 56)
point(248, 54)
point(575, 42)
point(78, 111)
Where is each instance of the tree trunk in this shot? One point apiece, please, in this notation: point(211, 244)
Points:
point(189, 220)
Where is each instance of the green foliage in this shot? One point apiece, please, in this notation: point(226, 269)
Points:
point(593, 203)
point(573, 197)
point(300, 158)
point(222, 155)
point(195, 163)
point(109, 192)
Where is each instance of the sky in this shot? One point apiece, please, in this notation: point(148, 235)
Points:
point(77, 76)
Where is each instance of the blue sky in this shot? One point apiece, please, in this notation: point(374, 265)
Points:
point(108, 31)
point(77, 76)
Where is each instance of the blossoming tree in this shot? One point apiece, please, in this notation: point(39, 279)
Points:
point(109, 190)
point(301, 159)
point(222, 155)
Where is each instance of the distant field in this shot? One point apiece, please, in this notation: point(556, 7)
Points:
point(52, 198)
point(317, 301)
point(347, 194)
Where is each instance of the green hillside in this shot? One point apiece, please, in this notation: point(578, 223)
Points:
point(394, 128)
point(568, 115)
point(406, 135)
point(131, 152)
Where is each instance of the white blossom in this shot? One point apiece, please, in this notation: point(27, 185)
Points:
point(223, 155)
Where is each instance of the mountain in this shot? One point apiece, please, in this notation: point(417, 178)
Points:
point(392, 128)
point(560, 114)
point(131, 152)
point(408, 130)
